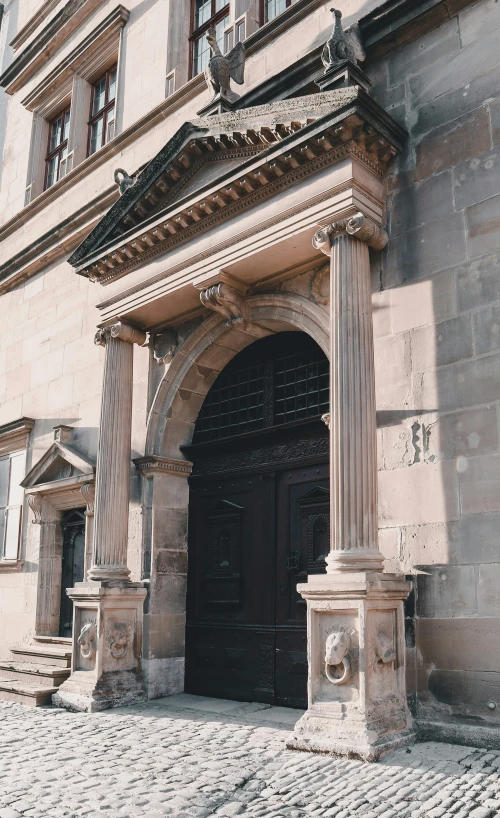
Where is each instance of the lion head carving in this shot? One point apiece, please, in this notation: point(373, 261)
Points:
point(87, 640)
point(337, 649)
point(118, 643)
point(384, 649)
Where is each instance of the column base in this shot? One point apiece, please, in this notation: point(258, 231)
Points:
point(356, 650)
point(107, 647)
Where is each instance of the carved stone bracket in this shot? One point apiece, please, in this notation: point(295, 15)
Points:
point(88, 493)
point(226, 300)
point(121, 330)
point(359, 226)
point(155, 464)
point(164, 346)
point(35, 504)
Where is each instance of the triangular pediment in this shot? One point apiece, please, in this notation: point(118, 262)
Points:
point(59, 462)
point(215, 167)
point(316, 495)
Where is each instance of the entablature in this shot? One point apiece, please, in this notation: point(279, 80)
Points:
point(262, 151)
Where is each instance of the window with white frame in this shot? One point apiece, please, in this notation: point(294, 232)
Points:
point(12, 471)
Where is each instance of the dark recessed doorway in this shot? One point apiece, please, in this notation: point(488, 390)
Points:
point(258, 522)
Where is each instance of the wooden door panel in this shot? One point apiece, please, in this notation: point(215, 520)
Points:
point(73, 566)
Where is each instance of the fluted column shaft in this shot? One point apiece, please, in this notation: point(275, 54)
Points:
point(353, 441)
point(109, 552)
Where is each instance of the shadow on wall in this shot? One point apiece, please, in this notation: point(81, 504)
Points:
point(440, 353)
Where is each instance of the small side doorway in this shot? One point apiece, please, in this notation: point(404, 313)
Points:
point(73, 564)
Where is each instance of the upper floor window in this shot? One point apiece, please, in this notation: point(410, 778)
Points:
point(206, 14)
point(55, 162)
point(271, 8)
point(12, 470)
point(102, 111)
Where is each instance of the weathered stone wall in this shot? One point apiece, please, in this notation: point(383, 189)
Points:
point(437, 320)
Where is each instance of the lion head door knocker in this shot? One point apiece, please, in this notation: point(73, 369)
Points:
point(337, 661)
point(384, 649)
point(118, 643)
point(87, 641)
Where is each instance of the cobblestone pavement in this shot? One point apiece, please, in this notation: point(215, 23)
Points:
point(190, 757)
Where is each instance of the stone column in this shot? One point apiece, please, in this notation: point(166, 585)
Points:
point(109, 555)
point(106, 668)
point(355, 623)
point(352, 418)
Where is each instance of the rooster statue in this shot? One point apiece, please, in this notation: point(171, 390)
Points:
point(222, 69)
point(342, 45)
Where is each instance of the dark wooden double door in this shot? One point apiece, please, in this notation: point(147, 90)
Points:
point(252, 538)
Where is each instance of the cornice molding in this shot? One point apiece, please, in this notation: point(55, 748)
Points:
point(155, 464)
point(46, 43)
point(15, 435)
point(94, 50)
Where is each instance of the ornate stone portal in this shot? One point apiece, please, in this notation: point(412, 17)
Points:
point(356, 647)
point(108, 609)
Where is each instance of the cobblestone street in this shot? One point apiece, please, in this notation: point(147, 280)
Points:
point(188, 756)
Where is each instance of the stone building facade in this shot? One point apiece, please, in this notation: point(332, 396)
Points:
point(185, 230)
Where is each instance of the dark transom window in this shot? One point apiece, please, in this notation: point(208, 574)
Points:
point(102, 111)
point(206, 14)
point(275, 381)
point(55, 162)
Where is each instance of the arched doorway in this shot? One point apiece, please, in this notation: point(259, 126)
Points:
point(258, 521)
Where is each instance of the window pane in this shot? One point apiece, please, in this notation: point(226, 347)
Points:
point(55, 134)
point(66, 127)
point(2, 531)
point(12, 533)
point(4, 481)
point(17, 471)
point(201, 54)
point(96, 136)
point(110, 125)
point(220, 4)
point(273, 8)
point(53, 170)
point(99, 96)
point(112, 86)
point(203, 12)
point(219, 31)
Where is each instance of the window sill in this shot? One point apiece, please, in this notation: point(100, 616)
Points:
point(11, 566)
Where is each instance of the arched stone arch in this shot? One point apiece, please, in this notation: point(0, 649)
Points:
point(208, 350)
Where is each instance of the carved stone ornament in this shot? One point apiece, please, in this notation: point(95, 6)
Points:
point(359, 226)
point(88, 493)
point(118, 640)
point(342, 45)
point(320, 289)
point(123, 180)
point(121, 330)
point(88, 641)
point(337, 661)
point(222, 69)
point(35, 504)
point(326, 418)
point(164, 346)
point(227, 301)
point(384, 649)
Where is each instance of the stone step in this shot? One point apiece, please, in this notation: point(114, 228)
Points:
point(50, 675)
point(55, 655)
point(62, 641)
point(29, 693)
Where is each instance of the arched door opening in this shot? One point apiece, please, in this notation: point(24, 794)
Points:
point(258, 521)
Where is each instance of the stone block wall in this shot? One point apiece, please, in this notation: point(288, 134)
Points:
point(437, 324)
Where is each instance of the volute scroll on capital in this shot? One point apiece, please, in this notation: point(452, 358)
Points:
point(227, 301)
point(121, 330)
point(358, 226)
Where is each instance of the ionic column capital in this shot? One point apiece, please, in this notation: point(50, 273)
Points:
point(123, 331)
point(359, 226)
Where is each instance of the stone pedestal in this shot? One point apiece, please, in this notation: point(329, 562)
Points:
point(107, 647)
point(356, 651)
point(356, 695)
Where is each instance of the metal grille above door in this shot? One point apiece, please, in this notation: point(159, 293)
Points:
point(273, 382)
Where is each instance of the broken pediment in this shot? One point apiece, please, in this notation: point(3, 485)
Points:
point(60, 462)
point(216, 167)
